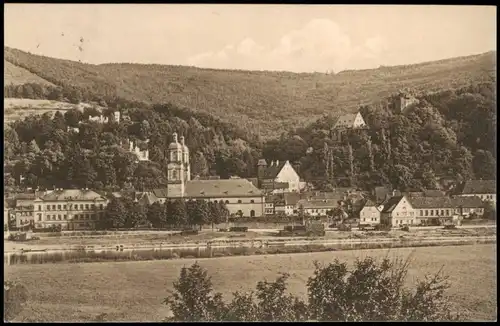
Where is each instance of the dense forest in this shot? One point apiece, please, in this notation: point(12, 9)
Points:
point(449, 133)
point(258, 101)
point(43, 151)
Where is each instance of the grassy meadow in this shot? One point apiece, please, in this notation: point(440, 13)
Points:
point(133, 291)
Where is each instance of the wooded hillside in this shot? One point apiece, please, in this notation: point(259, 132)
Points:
point(266, 102)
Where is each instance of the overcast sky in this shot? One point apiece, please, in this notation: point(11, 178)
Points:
point(300, 38)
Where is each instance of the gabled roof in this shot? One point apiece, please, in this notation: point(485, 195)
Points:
point(370, 203)
point(347, 118)
point(391, 204)
point(272, 171)
point(221, 188)
point(147, 198)
point(479, 187)
point(72, 194)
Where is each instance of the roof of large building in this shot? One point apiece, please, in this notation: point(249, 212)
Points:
point(467, 202)
point(479, 187)
point(431, 202)
point(318, 203)
point(391, 204)
point(221, 188)
point(72, 194)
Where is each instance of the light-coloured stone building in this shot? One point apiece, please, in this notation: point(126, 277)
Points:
point(72, 209)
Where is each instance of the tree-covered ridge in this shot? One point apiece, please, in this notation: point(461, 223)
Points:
point(449, 133)
point(270, 102)
point(45, 152)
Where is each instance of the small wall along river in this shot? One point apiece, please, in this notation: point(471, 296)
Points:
point(220, 248)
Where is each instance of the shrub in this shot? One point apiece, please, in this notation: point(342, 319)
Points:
point(15, 296)
point(370, 291)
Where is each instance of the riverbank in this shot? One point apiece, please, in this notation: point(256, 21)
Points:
point(133, 291)
point(147, 240)
point(228, 248)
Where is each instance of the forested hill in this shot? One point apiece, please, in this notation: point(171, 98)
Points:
point(266, 102)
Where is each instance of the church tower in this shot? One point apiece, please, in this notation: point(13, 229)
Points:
point(185, 160)
point(176, 169)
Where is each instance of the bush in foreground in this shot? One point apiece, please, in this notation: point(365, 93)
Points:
point(14, 298)
point(370, 291)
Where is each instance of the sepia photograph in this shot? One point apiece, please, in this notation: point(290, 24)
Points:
point(249, 163)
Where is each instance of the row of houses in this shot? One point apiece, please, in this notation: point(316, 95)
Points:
point(76, 209)
point(389, 206)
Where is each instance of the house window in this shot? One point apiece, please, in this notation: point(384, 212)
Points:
point(252, 201)
point(39, 207)
point(92, 206)
point(53, 207)
point(215, 201)
point(59, 207)
point(87, 206)
point(102, 206)
point(239, 201)
point(252, 213)
point(81, 207)
point(421, 213)
point(65, 207)
point(227, 201)
point(442, 212)
point(65, 216)
point(447, 212)
point(48, 207)
point(59, 217)
point(39, 217)
point(432, 212)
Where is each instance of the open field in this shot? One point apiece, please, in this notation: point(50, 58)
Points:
point(19, 108)
point(133, 291)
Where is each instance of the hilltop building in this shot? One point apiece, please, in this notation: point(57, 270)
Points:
point(141, 154)
point(102, 119)
point(404, 100)
point(349, 121)
point(240, 195)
